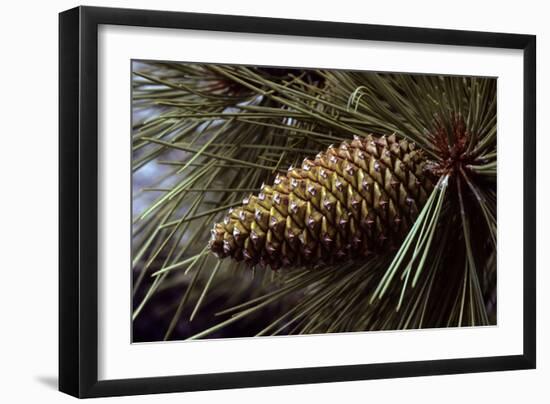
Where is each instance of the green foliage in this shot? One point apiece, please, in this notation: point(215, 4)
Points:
point(206, 136)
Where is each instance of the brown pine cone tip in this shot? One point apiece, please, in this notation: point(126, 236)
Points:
point(351, 201)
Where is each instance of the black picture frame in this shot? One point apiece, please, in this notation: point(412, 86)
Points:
point(78, 201)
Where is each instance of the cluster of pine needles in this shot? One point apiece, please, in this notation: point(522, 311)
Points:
point(206, 136)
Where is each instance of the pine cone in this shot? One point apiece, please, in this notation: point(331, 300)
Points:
point(357, 199)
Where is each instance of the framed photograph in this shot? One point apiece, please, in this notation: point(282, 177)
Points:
point(252, 201)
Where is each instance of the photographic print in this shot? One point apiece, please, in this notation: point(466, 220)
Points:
point(275, 201)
